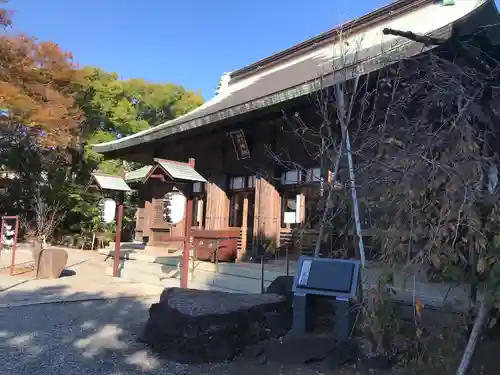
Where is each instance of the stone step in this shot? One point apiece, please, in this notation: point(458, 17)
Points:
point(159, 270)
point(143, 256)
point(245, 278)
point(203, 277)
point(134, 276)
point(199, 282)
point(127, 245)
point(241, 270)
point(233, 282)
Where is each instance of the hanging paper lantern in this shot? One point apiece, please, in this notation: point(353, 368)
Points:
point(174, 207)
point(8, 235)
point(108, 210)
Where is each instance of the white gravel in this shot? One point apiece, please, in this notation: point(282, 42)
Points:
point(97, 337)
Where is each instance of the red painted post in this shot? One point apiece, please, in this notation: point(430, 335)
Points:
point(14, 245)
point(1, 234)
point(187, 232)
point(118, 237)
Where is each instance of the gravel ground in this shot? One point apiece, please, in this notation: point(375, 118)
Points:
point(97, 337)
point(78, 338)
point(93, 337)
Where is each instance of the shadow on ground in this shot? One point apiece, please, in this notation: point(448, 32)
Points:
point(94, 336)
point(99, 336)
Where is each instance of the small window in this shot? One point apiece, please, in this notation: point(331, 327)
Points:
point(198, 187)
point(313, 175)
point(295, 177)
point(237, 183)
point(242, 182)
point(291, 177)
point(251, 182)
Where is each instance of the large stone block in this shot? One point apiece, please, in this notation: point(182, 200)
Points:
point(283, 286)
point(50, 263)
point(191, 326)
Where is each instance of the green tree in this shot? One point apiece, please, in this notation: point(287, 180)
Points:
point(116, 108)
point(157, 103)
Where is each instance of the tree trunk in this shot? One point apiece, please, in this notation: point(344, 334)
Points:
point(36, 249)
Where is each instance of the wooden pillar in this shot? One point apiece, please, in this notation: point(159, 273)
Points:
point(244, 230)
point(267, 211)
point(187, 231)
point(118, 236)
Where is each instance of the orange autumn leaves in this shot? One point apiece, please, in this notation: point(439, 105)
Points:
point(38, 82)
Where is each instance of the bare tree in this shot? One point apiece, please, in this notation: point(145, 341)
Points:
point(414, 141)
point(42, 226)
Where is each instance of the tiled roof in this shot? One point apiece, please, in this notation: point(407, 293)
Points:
point(295, 80)
point(137, 175)
point(109, 182)
point(180, 171)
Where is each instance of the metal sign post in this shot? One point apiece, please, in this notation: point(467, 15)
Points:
point(335, 279)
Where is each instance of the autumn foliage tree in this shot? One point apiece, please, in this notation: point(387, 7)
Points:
point(37, 85)
point(52, 111)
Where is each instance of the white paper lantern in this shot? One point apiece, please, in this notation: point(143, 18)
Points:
point(108, 210)
point(8, 235)
point(175, 207)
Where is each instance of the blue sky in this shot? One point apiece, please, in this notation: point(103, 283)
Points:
point(188, 42)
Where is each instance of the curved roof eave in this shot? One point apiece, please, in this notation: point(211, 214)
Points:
point(191, 121)
point(117, 143)
point(278, 87)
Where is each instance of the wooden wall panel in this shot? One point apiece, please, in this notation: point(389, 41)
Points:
point(267, 210)
point(216, 160)
point(217, 213)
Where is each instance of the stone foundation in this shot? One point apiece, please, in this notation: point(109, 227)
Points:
point(196, 326)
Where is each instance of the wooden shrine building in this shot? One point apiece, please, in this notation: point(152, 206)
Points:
point(233, 136)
